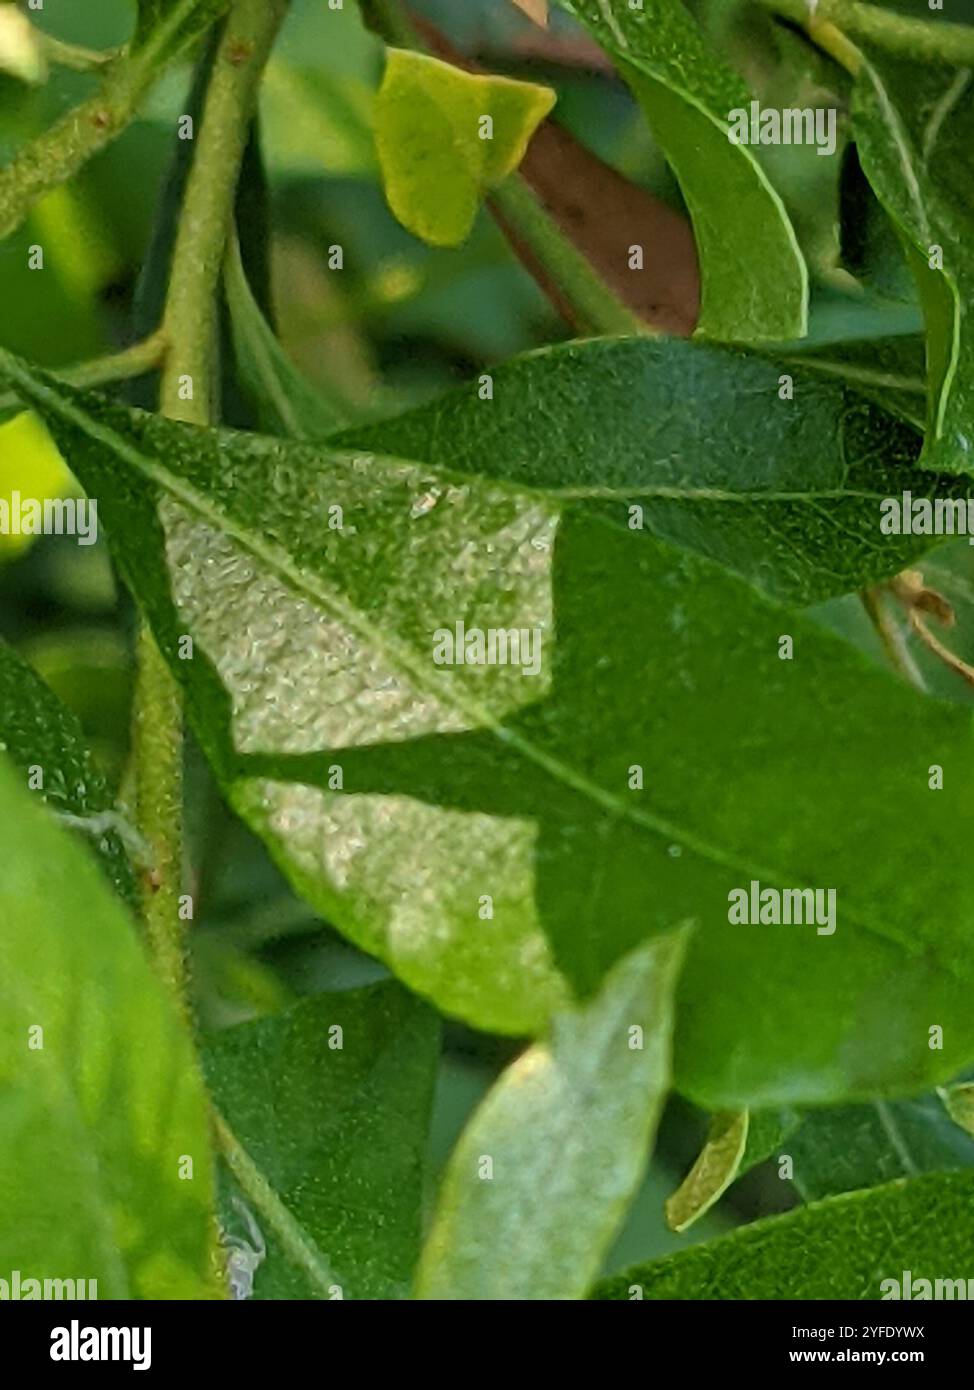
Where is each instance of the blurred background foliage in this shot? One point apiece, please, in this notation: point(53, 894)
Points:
point(398, 324)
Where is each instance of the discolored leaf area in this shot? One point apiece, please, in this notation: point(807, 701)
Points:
point(105, 1169)
point(572, 1119)
point(841, 1248)
point(352, 747)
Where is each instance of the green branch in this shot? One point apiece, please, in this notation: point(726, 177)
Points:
point(186, 393)
point(131, 362)
point(924, 41)
point(58, 154)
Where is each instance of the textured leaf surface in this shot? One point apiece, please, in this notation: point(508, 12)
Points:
point(438, 158)
point(755, 283)
point(841, 1248)
point(519, 788)
point(914, 129)
point(785, 492)
point(864, 1145)
point(95, 1124)
point(566, 1130)
point(38, 732)
point(339, 1133)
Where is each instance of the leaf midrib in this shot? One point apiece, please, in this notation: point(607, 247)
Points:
point(394, 651)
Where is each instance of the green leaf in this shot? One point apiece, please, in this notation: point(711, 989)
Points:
point(339, 1133)
point(285, 402)
point(95, 1125)
point(353, 746)
point(438, 157)
point(914, 130)
point(755, 283)
point(785, 492)
point(840, 1150)
point(567, 1130)
point(43, 739)
point(167, 28)
point(841, 1248)
point(715, 1169)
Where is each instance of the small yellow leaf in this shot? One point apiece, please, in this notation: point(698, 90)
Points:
point(446, 137)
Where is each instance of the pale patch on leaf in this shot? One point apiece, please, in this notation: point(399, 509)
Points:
point(446, 137)
point(570, 1122)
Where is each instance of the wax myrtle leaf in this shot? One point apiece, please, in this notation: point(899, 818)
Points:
point(914, 130)
point(771, 469)
point(891, 371)
point(104, 1150)
point(285, 402)
point(46, 745)
point(716, 1167)
point(446, 137)
point(851, 1147)
point(845, 1247)
point(755, 282)
point(573, 1119)
point(331, 1100)
point(559, 795)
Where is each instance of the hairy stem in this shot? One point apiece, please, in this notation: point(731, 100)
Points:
point(131, 362)
point(72, 55)
point(923, 41)
point(61, 151)
point(186, 393)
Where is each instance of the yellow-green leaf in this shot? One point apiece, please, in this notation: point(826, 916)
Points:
point(714, 1171)
point(446, 137)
